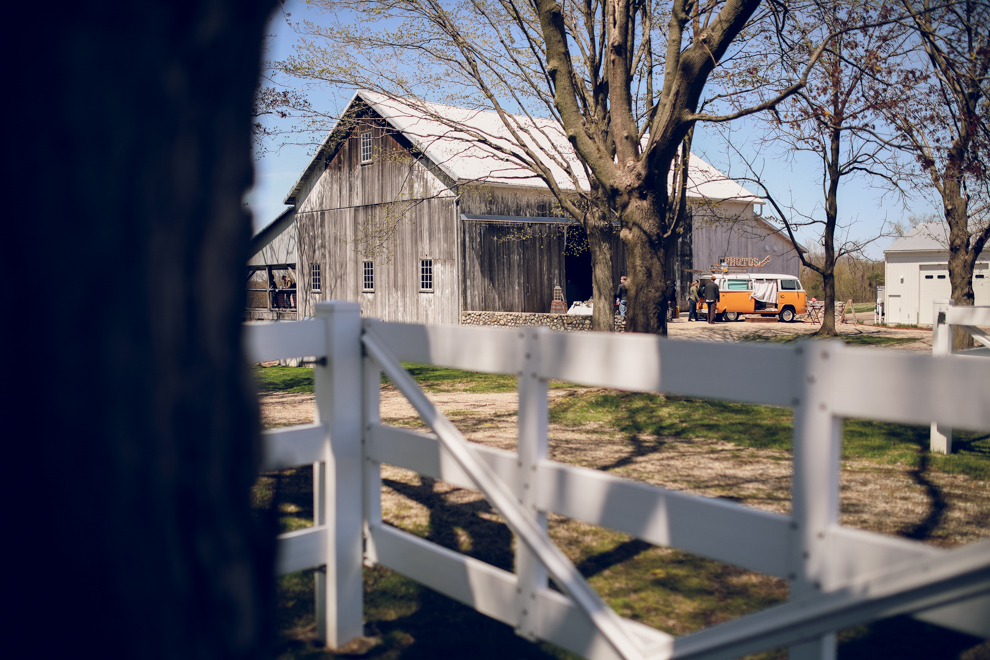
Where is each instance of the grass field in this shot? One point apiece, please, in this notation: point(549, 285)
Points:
point(851, 340)
point(430, 378)
point(766, 427)
point(668, 589)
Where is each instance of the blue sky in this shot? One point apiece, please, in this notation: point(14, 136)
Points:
point(795, 178)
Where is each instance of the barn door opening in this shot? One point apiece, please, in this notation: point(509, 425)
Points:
point(577, 265)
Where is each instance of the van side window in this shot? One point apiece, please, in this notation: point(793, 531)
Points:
point(737, 285)
point(789, 285)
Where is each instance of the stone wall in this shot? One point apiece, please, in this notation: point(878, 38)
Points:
point(559, 322)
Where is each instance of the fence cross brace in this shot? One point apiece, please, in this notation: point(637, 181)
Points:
point(505, 502)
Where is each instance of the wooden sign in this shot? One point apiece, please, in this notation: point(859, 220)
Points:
point(744, 262)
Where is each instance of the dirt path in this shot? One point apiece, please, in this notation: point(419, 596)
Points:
point(701, 331)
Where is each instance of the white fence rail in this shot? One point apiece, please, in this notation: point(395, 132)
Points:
point(839, 576)
point(947, 318)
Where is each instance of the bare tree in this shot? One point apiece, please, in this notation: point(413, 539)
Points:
point(835, 118)
point(944, 122)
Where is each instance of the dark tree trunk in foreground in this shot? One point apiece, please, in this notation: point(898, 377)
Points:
point(131, 492)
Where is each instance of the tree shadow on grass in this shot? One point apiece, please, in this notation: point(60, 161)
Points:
point(490, 540)
point(939, 505)
point(601, 561)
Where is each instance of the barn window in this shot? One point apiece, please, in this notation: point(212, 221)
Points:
point(315, 277)
point(941, 277)
point(929, 277)
point(366, 150)
point(980, 277)
point(426, 274)
point(368, 276)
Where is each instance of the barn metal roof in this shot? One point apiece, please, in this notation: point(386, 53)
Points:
point(926, 237)
point(474, 146)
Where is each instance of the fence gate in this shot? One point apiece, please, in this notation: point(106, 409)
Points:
point(839, 576)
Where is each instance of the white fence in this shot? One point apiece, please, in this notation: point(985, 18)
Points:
point(947, 317)
point(839, 576)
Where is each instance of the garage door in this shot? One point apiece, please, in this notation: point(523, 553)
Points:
point(981, 284)
point(934, 286)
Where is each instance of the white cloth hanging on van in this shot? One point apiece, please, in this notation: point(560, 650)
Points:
point(765, 291)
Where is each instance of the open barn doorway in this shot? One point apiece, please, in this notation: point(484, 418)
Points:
point(577, 265)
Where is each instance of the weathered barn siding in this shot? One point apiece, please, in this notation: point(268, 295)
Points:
point(393, 175)
point(276, 243)
point(512, 202)
point(741, 235)
point(393, 212)
point(427, 230)
point(511, 266)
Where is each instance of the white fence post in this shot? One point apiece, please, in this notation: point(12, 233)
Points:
point(371, 385)
point(815, 498)
point(941, 435)
point(533, 418)
point(337, 479)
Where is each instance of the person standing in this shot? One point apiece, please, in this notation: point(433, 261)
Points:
point(671, 301)
point(711, 297)
point(621, 295)
point(693, 301)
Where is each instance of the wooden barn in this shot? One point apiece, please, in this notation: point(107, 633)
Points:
point(418, 222)
point(272, 272)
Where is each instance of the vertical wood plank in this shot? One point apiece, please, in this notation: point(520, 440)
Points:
point(815, 499)
point(338, 406)
point(532, 448)
point(371, 383)
point(940, 441)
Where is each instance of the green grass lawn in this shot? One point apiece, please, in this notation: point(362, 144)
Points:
point(429, 377)
point(851, 340)
point(766, 427)
point(283, 379)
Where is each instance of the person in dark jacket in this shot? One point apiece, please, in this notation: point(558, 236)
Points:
point(711, 297)
point(693, 302)
point(671, 301)
point(621, 296)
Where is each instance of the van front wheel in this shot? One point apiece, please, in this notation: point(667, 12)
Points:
point(787, 314)
point(731, 316)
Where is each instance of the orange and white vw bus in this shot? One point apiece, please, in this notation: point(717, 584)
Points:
point(768, 294)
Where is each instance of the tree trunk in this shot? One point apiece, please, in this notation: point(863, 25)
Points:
point(828, 314)
point(962, 259)
point(599, 231)
point(133, 490)
point(645, 256)
point(834, 158)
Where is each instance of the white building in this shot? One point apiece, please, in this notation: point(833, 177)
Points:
point(917, 273)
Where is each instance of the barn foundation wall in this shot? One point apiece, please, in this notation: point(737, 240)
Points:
point(558, 322)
